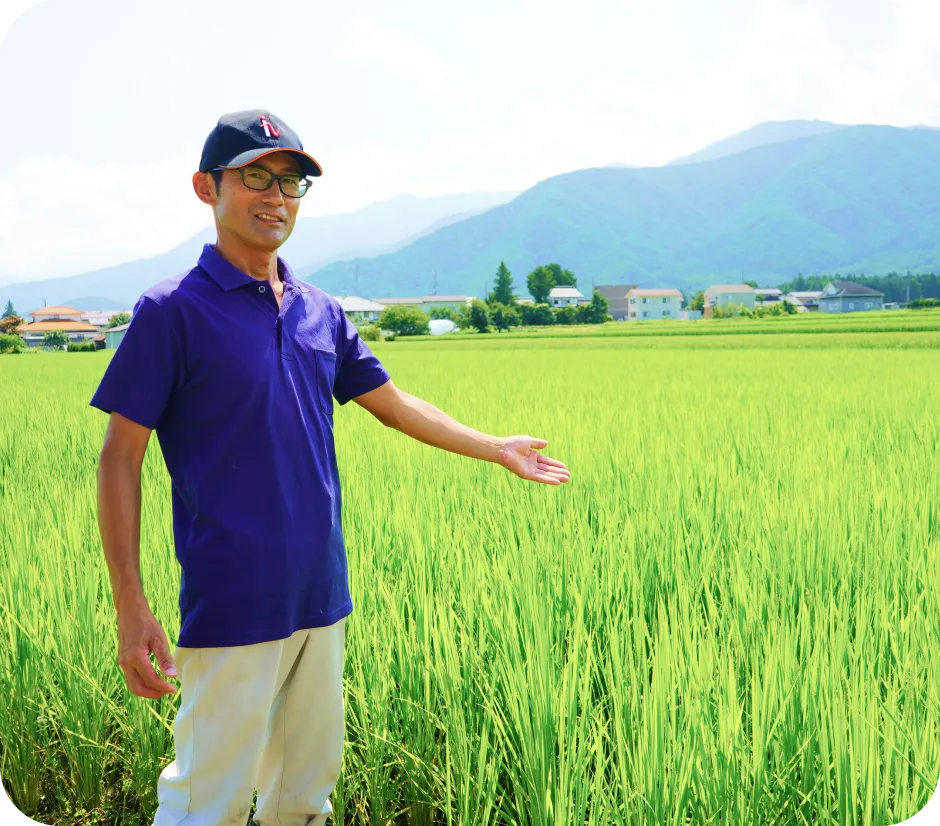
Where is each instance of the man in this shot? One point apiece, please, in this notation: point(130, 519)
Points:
point(236, 364)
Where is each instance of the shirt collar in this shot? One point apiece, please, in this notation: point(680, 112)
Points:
point(229, 277)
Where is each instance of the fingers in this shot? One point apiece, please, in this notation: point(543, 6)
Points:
point(142, 678)
point(161, 650)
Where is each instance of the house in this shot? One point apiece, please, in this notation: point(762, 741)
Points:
point(113, 336)
point(100, 318)
point(721, 295)
point(565, 296)
point(653, 304)
point(849, 297)
point(455, 302)
point(616, 295)
point(809, 299)
point(359, 309)
point(65, 319)
point(768, 295)
point(426, 303)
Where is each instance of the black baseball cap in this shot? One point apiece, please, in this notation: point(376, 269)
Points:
point(242, 137)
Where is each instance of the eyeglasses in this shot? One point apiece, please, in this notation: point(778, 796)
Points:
point(254, 177)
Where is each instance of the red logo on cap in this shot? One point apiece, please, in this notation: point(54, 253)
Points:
point(269, 129)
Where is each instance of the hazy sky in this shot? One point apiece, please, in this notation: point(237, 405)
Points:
point(107, 103)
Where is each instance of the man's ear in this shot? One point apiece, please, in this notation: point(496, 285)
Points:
point(204, 187)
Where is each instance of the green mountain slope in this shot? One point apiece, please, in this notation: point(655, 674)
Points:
point(863, 198)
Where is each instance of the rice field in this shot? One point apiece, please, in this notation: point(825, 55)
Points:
point(731, 615)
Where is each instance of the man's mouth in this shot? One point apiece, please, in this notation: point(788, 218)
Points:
point(268, 218)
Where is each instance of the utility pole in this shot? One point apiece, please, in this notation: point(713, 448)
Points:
point(356, 276)
point(434, 289)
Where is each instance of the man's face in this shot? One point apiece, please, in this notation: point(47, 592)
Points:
point(248, 213)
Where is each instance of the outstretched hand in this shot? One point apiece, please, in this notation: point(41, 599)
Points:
point(520, 455)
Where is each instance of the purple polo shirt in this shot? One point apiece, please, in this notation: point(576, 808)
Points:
point(240, 394)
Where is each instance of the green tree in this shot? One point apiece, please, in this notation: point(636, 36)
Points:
point(502, 287)
point(697, 302)
point(752, 284)
point(504, 316)
point(405, 320)
point(788, 306)
point(9, 310)
point(563, 278)
point(536, 315)
point(54, 340)
point(566, 315)
point(445, 312)
point(479, 316)
point(117, 319)
point(11, 343)
point(540, 283)
point(596, 311)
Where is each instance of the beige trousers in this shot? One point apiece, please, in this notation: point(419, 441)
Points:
point(266, 716)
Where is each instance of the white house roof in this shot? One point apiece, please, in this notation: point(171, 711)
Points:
point(730, 288)
point(802, 295)
point(118, 328)
point(430, 299)
point(654, 293)
point(565, 292)
point(389, 301)
point(355, 304)
point(767, 291)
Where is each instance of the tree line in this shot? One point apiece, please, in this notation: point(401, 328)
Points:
point(500, 309)
point(894, 285)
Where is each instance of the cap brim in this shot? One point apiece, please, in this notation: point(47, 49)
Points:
point(309, 165)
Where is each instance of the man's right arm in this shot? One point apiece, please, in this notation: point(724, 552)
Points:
point(139, 632)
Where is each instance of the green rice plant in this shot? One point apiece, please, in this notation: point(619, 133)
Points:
point(730, 615)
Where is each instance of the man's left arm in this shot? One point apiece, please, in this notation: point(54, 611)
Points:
point(423, 421)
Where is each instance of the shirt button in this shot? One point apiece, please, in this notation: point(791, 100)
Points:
point(261, 288)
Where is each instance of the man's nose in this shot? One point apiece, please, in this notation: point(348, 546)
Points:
point(273, 194)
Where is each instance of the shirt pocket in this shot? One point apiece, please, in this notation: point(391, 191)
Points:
point(326, 373)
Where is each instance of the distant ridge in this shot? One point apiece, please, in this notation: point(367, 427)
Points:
point(860, 199)
point(376, 228)
point(761, 135)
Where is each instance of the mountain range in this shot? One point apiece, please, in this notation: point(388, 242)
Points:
point(376, 228)
point(849, 199)
point(765, 204)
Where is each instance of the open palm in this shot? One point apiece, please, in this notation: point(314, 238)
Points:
point(520, 455)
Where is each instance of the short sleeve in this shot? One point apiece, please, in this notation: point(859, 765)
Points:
point(144, 369)
point(358, 371)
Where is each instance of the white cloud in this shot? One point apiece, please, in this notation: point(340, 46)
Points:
point(397, 107)
point(365, 42)
point(60, 216)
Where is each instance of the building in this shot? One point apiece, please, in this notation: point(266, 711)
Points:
point(849, 297)
point(721, 295)
point(768, 295)
point(455, 302)
point(653, 304)
point(565, 297)
point(616, 295)
point(426, 303)
point(65, 319)
point(100, 318)
point(808, 299)
point(359, 309)
point(113, 336)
